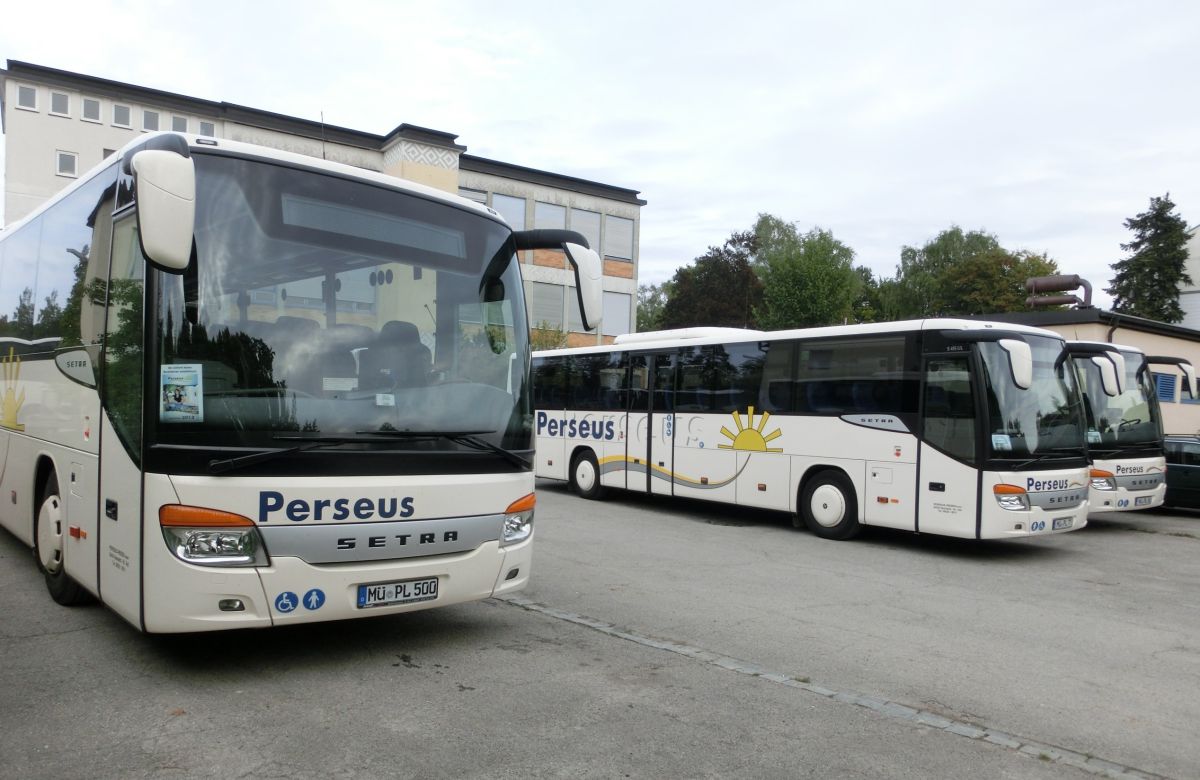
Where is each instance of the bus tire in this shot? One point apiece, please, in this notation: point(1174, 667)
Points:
point(829, 507)
point(585, 475)
point(48, 546)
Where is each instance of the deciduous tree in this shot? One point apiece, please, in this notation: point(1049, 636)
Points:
point(808, 278)
point(720, 288)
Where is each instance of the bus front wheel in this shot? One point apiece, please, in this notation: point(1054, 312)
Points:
point(48, 547)
point(829, 507)
point(585, 475)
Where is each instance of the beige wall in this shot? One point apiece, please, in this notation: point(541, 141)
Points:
point(1177, 417)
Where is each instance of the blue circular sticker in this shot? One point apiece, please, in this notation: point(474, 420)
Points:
point(314, 599)
point(286, 602)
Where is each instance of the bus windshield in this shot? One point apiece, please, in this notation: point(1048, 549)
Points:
point(1043, 420)
point(317, 306)
point(1130, 418)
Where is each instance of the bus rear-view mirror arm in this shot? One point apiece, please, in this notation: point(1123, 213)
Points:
point(1184, 365)
point(589, 271)
point(1110, 363)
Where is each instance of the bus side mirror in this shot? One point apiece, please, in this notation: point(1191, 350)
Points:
point(1108, 375)
point(589, 283)
point(1189, 373)
point(589, 271)
point(165, 186)
point(1020, 361)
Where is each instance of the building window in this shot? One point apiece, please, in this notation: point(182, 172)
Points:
point(105, 154)
point(91, 110)
point(479, 196)
point(27, 98)
point(547, 215)
point(618, 237)
point(149, 120)
point(60, 103)
point(209, 129)
point(67, 163)
point(179, 124)
point(512, 209)
point(616, 313)
point(122, 115)
point(587, 223)
point(546, 305)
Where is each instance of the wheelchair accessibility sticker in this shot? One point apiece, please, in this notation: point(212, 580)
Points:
point(286, 602)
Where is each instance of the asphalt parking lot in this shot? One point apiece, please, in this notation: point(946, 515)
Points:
point(658, 638)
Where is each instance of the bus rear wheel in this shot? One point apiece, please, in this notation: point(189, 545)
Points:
point(48, 547)
point(829, 507)
point(585, 475)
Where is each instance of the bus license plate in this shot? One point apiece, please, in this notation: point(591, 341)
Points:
point(1062, 522)
point(382, 594)
point(1142, 500)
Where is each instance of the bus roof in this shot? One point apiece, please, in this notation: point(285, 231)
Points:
point(666, 339)
point(1117, 347)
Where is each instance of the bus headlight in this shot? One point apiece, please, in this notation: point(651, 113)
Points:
point(518, 521)
point(1011, 497)
point(210, 537)
point(1103, 480)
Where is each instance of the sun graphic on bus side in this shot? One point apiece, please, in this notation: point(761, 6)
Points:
point(749, 437)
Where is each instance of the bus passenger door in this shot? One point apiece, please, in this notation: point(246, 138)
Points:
point(650, 435)
point(662, 424)
point(121, 429)
point(948, 480)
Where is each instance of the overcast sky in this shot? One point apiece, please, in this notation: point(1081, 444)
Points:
point(1047, 124)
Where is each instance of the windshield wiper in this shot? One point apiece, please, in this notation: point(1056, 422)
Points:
point(466, 438)
point(230, 464)
point(1058, 453)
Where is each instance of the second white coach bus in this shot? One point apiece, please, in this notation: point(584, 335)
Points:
point(1124, 424)
point(248, 388)
point(967, 429)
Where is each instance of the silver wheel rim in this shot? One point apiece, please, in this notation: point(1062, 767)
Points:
point(49, 535)
point(585, 475)
point(827, 505)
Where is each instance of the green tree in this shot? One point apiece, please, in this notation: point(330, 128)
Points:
point(808, 278)
point(1147, 282)
point(960, 272)
point(719, 289)
point(994, 281)
point(651, 298)
point(868, 305)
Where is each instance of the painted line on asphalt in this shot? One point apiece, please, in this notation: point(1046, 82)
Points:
point(888, 709)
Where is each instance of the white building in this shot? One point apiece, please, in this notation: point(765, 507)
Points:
point(59, 124)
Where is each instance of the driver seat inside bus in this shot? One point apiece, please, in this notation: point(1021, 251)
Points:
point(396, 359)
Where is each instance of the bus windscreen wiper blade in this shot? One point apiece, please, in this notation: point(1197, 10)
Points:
point(229, 464)
point(467, 438)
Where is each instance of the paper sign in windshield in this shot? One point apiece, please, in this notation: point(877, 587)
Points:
point(182, 398)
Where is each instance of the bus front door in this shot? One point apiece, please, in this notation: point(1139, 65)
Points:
point(948, 478)
point(651, 437)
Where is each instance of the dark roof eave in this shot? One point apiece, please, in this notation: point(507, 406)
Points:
point(469, 162)
point(1094, 316)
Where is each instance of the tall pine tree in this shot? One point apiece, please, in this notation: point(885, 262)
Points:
point(1147, 282)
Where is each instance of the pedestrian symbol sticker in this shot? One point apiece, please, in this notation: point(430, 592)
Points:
point(314, 598)
point(286, 602)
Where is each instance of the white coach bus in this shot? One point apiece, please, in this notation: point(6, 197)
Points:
point(249, 388)
point(1124, 425)
point(967, 429)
